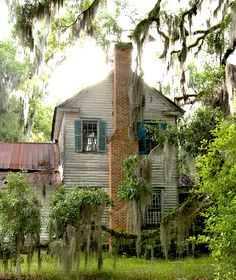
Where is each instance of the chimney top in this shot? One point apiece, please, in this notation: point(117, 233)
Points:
point(123, 46)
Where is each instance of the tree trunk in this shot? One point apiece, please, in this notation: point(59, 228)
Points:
point(99, 244)
point(18, 257)
point(139, 232)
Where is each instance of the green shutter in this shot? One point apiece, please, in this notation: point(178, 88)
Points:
point(78, 135)
point(162, 125)
point(141, 132)
point(102, 136)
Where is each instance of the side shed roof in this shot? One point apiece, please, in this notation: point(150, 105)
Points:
point(28, 156)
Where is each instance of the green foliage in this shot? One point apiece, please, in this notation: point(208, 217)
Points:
point(135, 184)
point(42, 127)
point(160, 131)
point(180, 227)
point(132, 189)
point(193, 132)
point(105, 27)
point(56, 42)
point(76, 222)
point(11, 66)
point(217, 173)
point(216, 42)
point(208, 83)
point(19, 218)
point(135, 190)
point(196, 130)
point(67, 206)
point(12, 71)
point(19, 195)
point(126, 268)
point(11, 121)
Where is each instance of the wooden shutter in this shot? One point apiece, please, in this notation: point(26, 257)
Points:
point(78, 136)
point(141, 134)
point(162, 125)
point(102, 136)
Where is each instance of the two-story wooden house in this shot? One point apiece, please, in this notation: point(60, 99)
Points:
point(92, 132)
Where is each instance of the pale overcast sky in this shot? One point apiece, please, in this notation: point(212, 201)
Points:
point(4, 24)
point(83, 66)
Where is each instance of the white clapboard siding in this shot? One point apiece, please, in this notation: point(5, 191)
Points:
point(92, 169)
point(164, 170)
point(44, 194)
point(157, 107)
point(88, 169)
point(163, 160)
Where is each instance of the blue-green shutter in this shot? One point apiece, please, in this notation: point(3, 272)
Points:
point(162, 125)
point(78, 136)
point(141, 132)
point(102, 136)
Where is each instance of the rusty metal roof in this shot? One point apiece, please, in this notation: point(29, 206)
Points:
point(28, 156)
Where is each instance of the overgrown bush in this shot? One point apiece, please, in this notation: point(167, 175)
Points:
point(217, 180)
point(76, 224)
point(19, 218)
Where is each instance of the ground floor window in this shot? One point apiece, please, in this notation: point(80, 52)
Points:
point(154, 210)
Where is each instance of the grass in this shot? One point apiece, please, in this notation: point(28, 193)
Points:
point(128, 269)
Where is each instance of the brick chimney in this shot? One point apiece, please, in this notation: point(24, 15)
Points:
point(120, 145)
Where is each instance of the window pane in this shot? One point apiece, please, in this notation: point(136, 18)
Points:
point(89, 136)
point(146, 141)
point(153, 211)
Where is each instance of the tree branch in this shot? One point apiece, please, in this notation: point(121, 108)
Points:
point(84, 19)
point(228, 52)
point(201, 38)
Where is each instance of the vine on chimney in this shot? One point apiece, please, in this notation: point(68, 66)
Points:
point(136, 100)
point(136, 191)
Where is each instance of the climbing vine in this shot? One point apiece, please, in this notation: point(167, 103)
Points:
point(136, 191)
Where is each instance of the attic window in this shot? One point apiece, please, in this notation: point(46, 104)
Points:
point(90, 136)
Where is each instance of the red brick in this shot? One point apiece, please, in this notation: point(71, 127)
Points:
point(120, 145)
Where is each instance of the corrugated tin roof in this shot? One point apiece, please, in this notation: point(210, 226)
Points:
point(28, 156)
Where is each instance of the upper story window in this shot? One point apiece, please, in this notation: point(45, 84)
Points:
point(146, 138)
point(90, 136)
point(90, 132)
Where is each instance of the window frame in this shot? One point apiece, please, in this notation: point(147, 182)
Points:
point(143, 147)
point(144, 143)
point(101, 135)
point(154, 214)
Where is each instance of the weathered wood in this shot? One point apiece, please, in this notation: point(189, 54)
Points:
point(92, 169)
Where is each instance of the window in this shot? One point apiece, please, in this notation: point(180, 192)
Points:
point(146, 139)
point(90, 132)
point(154, 210)
point(90, 136)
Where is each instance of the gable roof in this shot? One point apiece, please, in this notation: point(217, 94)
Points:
point(172, 104)
point(67, 105)
point(28, 156)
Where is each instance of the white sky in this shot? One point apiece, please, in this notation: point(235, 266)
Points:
point(4, 24)
point(85, 66)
